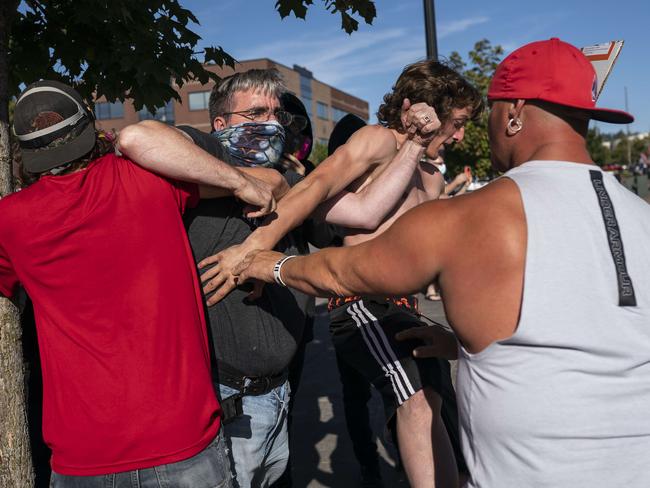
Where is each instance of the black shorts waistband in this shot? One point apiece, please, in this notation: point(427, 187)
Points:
point(408, 302)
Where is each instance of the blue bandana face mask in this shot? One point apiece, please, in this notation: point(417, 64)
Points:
point(254, 143)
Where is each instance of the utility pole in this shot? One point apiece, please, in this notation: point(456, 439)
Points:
point(430, 29)
point(629, 145)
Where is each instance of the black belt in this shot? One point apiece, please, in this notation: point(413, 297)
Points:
point(249, 385)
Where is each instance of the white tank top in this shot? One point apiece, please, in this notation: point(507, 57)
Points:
point(565, 401)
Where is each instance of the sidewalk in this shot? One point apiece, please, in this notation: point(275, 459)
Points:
point(321, 449)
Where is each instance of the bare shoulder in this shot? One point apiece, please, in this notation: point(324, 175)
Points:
point(501, 192)
point(372, 141)
point(493, 217)
point(366, 148)
point(373, 132)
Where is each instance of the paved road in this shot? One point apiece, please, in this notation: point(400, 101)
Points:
point(321, 447)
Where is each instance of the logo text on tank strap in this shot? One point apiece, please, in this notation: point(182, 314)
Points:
point(626, 297)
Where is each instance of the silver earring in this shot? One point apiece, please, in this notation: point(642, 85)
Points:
point(514, 126)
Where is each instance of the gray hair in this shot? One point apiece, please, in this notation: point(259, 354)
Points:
point(268, 81)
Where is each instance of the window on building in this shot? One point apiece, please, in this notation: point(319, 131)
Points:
point(105, 110)
point(322, 110)
point(307, 101)
point(305, 86)
point(305, 91)
point(162, 114)
point(199, 100)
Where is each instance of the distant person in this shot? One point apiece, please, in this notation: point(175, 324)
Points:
point(413, 391)
point(643, 166)
point(98, 244)
point(546, 279)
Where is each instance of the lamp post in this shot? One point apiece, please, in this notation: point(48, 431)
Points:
point(430, 29)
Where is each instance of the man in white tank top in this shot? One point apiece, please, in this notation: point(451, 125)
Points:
point(545, 275)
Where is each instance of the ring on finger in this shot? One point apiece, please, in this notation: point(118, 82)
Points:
point(426, 119)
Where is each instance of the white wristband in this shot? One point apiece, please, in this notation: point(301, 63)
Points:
point(278, 268)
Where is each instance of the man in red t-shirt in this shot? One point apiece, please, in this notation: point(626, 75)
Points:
point(99, 245)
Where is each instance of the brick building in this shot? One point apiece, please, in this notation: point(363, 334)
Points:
point(325, 104)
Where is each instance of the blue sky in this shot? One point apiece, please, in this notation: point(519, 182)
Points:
point(367, 62)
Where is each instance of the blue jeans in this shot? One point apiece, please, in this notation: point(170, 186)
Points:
point(210, 468)
point(258, 439)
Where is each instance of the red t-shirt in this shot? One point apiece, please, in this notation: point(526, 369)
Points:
point(104, 256)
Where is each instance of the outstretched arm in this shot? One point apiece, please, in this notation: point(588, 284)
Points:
point(166, 151)
point(381, 266)
point(212, 146)
point(368, 208)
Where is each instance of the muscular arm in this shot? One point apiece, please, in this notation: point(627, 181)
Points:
point(168, 151)
point(271, 177)
point(368, 208)
point(402, 260)
point(212, 146)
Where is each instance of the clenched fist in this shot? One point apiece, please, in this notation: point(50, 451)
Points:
point(419, 121)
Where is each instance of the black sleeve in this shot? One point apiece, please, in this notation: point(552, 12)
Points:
point(321, 234)
point(207, 142)
point(292, 178)
point(318, 233)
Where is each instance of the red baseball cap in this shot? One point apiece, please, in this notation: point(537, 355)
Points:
point(553, 71)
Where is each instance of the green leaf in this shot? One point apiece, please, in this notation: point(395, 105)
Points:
point(297, 7)
point(219, 56)
point(129, 49)
point(347, 9)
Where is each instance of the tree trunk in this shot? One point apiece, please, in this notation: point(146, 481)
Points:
point(15, 457)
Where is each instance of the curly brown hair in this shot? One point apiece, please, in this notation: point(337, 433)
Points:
point(435, 84)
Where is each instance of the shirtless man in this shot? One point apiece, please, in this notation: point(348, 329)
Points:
point(428, 107)
point(545, 276)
